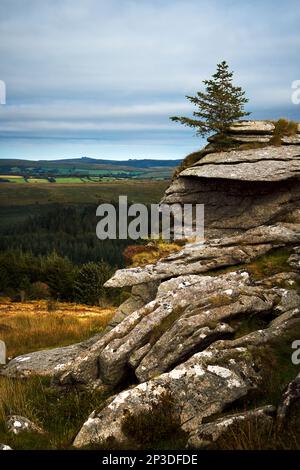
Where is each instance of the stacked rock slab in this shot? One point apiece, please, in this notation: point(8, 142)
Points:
point(243, 188)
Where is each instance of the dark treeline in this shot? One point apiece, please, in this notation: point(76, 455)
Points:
point(24, 276)
point(56, 255)
point(70, 231)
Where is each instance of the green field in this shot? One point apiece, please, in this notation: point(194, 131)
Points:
point(83, 170)
point(18, 201)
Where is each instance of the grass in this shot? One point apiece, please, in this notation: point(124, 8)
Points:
point(274, 262)
point(141, 255)
point(49, 193)
point(277, 371)
point(19, 201)
point(12, 179)
point(29, 326)
point(188, 161)
point(255, 436)
point(60, 413)
point(37, 180)
point(69, 179)
point(270, 264)
point(283, 128)
point(158, 427)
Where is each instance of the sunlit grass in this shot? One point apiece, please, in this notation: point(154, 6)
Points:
point(29, 326)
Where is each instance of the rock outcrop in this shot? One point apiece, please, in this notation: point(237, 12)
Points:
point(211, 433)
point(196, 258)
point(46, 362)
point(243, 188)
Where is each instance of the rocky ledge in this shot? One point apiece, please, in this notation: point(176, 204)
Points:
point(251, 184)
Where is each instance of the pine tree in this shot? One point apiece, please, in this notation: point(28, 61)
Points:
point(89, 282)
point(219, 106)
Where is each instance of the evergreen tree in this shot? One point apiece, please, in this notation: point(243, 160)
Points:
point(89, 282)
point(219, 106)
point(59, 275)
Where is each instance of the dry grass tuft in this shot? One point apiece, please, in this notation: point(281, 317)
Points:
point(141, 255)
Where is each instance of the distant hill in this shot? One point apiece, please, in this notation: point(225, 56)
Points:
point(87, 167)
point(134, 163)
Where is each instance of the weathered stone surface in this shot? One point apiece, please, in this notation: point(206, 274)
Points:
point(190, 386)
point(241, 189)
point(198, 258)
point(245, 138)
point(252, 127)
point(290, 398)
point(294, 259)
point(184, 330)
point(203, 322)
point(4, 447)
point(221, 428)
point(266, 164)
point(2, 353)
point(291, 140)
point(140, 295)
point(188, 314)
point(200, 388)
point(45, 363)
point(18, 424)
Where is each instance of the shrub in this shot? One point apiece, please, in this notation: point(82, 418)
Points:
point(150, 253)
point(89, 282)
point(39, 290)
point(52, 305)
point(188, 161)
point(59, 273)
point(156, 425)
point(283, 127)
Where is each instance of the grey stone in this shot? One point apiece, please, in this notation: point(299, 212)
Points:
point(241, 189)
point(190, 386)
point(266, 164)
point(252, 127)
point(290, 398)
point(46, 362)
point(4, 447)
point(18, 424)
point(198, 258)
point(2, 353)
point(211, 432)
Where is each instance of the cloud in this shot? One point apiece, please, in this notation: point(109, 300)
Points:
point(80, 68)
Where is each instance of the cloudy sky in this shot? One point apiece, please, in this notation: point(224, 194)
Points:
point(100, 78)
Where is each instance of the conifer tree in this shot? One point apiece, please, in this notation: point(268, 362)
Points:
point(219, 105)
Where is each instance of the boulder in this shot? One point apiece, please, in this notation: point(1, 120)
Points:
point(244, 138)
point(140, 295)
point(291, 140)
point(241, 189)
point(18, 424)
point(231, 424)
point(199, 388)
point(266, 164)
point(46, 362)
point(294, 259)
point(197, 257)
point(290, 399)
point(4, 447)
point(190, 387)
